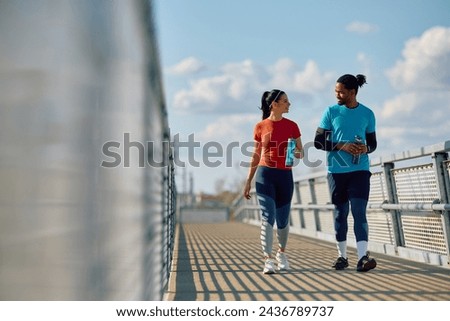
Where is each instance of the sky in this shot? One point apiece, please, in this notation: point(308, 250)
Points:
point(218, 57)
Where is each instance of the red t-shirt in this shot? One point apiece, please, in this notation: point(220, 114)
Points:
point(274, 136)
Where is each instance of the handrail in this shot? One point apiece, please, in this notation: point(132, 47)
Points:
point(442, 147)
point(384, 206)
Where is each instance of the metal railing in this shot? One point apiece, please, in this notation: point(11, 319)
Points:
point(408, 210)
point(77, 75)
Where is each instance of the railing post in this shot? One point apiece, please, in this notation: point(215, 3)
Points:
point(442, 182)
point(393, 199)
point(312, 190)
point(298, 200)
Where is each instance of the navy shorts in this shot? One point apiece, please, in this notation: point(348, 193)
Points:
point(344, 186)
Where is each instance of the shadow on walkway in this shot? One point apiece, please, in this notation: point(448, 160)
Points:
point(223, 262)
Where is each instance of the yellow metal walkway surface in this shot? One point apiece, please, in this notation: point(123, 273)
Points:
point(223, 262)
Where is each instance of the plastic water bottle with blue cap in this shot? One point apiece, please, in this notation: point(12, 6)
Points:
point(290, 152)
point(355, 159)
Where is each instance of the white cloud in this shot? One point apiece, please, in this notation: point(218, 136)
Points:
point(361, 27)
point(190, 65)
point(228, 128)
point(365, 61)
point(418, 115)
point(244, 77)
point(392, 139)
point(203, 95)
point(237, 85)
point(414, 119)
point(289, 76)
point(425, 63)
point(418, 108)
point(400, 106)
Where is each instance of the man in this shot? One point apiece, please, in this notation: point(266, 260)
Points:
point(347, 133)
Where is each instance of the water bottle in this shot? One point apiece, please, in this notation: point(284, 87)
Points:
point(290, 152)
point(355, 159)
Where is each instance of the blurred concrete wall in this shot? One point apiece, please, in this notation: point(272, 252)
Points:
point(75, 75)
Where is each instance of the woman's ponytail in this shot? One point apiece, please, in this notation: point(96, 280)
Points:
point(267, 99)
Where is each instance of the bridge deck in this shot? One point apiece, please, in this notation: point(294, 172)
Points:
point(218, 262)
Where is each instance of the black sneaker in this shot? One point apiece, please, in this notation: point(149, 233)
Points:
point(365, 263)
point(340, 263)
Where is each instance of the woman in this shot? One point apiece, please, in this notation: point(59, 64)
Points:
point(274, 181)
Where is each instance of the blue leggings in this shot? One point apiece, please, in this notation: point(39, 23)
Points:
point(350, 189)
point(274, 188)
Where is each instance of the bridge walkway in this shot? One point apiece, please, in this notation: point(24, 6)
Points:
point(223, 262)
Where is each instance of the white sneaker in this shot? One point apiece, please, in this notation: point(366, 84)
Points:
point(269, 267)
point(283, 263)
